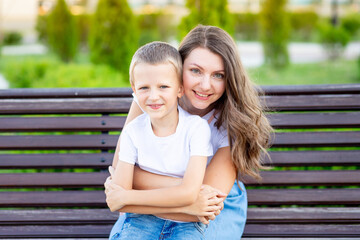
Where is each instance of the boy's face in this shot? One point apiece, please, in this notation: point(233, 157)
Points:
point(157, 88)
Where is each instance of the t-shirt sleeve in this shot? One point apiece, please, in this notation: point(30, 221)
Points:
point(128, 151)
point(223, 138)
point(200, 143)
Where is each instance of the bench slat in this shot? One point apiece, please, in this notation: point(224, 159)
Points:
point(304, 215)
point(255, 197)
point(76, 106)
point(313, 102)
point(305, 230)
point(32, 124)
point(102, 160)
point(283, 139)
point(55, 231)
point(342, 196)
point(79, 160)
point(314, 158)
point(315, 120)
point(309, 120)
point(254, 215)
point(317, 139)
point(312, 89)
point(58, 142)
point(97, 179)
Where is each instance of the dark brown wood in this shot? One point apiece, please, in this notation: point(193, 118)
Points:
point(61, 179)
point(303, 215)
point(59, 142)
point(86, 160)
point(342, 196)
point(317, 139)
point(58, 216)
point(66, 93)
point(51, 231)
point(312, 89)
point(74, 106)
point(312, 102)
point(315, 120)
point(97, 179)
point(305, 230)
point(313, 158)
point(53, 199)
point(307, 178)
point(46, 124)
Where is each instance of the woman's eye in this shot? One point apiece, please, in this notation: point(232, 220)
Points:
point(219, 75)
point(194, 70)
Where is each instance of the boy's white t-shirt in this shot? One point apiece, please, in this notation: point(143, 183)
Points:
point(165, 155)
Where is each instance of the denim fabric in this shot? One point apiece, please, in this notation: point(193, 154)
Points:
point(228, 225)
point(149, 227)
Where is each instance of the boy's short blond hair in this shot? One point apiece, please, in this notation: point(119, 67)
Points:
point(157, 53)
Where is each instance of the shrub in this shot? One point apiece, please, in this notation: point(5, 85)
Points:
point(83, 27)
point(41, 28)
point(351, 23)
point(156, 26)
point(207, 12)
point(333, 38)
point(303, 25)
point(12, 38)
point(61, 30)
point(247, 26)
point(275, 30)
point(47, 72)
point(113, 35)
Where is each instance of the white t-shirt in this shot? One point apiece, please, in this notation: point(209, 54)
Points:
point(219, 137)
point(165, 155)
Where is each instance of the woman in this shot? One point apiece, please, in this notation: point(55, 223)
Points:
point(216, 88)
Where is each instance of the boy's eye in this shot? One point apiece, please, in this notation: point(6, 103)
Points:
point(219, 75)
point(143, 88)
point(164, 86)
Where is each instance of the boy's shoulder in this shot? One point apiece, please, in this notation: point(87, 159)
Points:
point(137, 123)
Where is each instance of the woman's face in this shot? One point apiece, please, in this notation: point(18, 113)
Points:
point(203, 80)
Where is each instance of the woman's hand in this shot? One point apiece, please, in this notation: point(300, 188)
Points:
point(208, 204)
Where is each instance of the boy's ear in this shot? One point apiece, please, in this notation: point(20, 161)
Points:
point(133, 88)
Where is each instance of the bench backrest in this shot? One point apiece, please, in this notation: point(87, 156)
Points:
point(56, 144)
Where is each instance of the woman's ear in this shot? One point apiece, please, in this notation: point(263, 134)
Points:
point(181, 91)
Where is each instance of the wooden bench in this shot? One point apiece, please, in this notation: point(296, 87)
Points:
point(55, 146)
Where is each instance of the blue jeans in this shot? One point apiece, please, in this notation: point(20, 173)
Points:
point(148, 227)
point(228, 225)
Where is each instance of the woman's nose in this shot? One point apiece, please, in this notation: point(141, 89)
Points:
point(205, 83)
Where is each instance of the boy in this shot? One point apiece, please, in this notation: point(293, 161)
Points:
point(164, 140)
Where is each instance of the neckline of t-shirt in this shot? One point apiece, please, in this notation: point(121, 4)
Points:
point(178, 127)
point(208, 115)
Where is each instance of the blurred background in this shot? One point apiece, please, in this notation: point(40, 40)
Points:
point(89, 43)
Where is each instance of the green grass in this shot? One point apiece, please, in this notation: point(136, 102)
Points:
point(336, 72)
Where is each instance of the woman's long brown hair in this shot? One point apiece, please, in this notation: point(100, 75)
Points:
point(239, 108)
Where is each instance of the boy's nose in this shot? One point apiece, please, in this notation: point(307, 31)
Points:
point(154, 95)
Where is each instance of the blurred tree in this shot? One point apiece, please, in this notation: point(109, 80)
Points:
point(62, 32)
point(113, 35)
point(41, 28)
point(275, 32)
point(333, 38)
point(207, 12)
